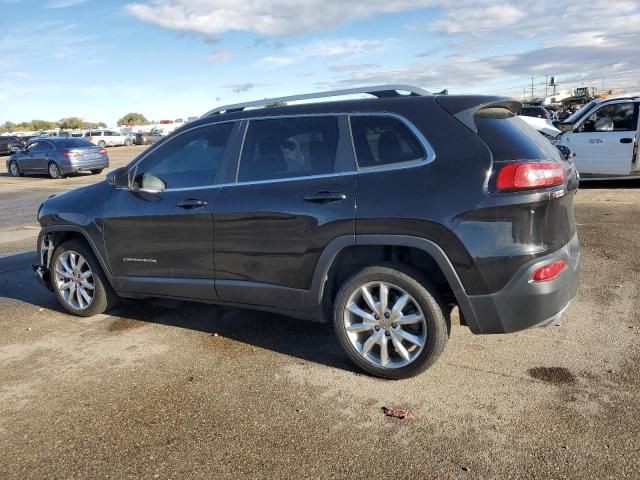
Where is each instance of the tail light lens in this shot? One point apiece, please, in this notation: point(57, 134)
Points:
point(524, 176)
point(103, 151)
point(549, 272)
point(69, 154)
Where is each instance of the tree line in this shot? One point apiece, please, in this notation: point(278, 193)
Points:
point(71, 123)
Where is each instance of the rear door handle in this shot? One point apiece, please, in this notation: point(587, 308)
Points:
point(325, 197)
point(626, 140)
point(192, 203)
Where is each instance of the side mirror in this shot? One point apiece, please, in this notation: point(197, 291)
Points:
point(151, 183)
point(118, 178)
point(565, 127)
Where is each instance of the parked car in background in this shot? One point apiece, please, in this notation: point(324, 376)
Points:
point(107, 138)
point(604, 137)
point(148, 138)
point(535, 111)
point(458, 203)
point(8, 144)
point(57, 157)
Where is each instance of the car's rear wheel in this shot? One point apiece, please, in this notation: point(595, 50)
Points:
point(14, 170)
point(390, 321)
point(96, 171)
point(127, 142)
point(54, 170)
point(78, 280)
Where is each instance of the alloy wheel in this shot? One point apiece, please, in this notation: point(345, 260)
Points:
point(54, 171)
point(385, 325)
point(74, 280)
point(13, 169)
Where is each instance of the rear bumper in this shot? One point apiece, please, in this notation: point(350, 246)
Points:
point(73, 167)
point(524, 304)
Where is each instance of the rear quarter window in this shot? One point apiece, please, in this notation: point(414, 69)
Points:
point(510, 138)
point(383, 140)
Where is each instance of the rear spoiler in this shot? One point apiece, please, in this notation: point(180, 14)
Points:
point(465, 107)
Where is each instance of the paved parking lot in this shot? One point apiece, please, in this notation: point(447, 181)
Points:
point(193, 391)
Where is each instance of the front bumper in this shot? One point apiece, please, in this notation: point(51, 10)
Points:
point(524, 304)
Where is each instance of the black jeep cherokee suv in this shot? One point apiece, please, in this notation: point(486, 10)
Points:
point(378, 214)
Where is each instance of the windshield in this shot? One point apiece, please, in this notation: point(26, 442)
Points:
point(581, 113)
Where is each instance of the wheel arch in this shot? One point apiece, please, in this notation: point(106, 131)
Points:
point(335, 265)
point(62, 233)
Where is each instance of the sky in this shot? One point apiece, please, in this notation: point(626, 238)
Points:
point(167, 59)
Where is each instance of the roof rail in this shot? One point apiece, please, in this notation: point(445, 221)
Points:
point(378, 91)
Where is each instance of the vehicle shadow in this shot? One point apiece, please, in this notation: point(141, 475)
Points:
point(305, 340)
point(613, 184)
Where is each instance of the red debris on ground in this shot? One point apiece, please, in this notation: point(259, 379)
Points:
point(398, 413)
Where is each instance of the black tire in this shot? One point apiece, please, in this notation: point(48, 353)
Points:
point(54, 170)
point(14, 169)
point(101, 144)
point(429, 301)
point(127, 142)
point(104, 297)
point(96, 171)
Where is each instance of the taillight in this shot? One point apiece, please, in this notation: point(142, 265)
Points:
point(549, 272)
point(103, 151)
point(523, 176)
point(69, 154)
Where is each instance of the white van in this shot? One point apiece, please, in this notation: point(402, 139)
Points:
point(604, 137)
point(108, 138)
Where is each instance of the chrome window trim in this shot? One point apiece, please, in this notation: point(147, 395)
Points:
point(430, 152)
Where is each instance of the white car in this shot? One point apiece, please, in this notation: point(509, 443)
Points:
point(604, 137)
point(108, 138)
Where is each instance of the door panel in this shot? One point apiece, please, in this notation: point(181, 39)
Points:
point(159, 232)
point(297, 192)
point(269, 233)
point(604, 143)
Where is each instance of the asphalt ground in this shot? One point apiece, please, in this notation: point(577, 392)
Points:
point(181, 390)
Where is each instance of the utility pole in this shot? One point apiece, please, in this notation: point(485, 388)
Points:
point(546, 85)
point(532, 89)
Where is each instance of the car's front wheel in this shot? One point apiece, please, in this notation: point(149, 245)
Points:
point(390, 321)
point(78, 280)
point(101, 143)
point(54, 170)
point(127, 142)
point(14, 170)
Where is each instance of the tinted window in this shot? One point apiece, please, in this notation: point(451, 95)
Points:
point(95, 134)
point(510, 138)
point(189, 160)
point(289, 147)
point(618, 117)
point(382, 140)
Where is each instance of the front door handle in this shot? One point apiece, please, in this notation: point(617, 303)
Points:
point(626, 140)
point(192, 203)
point(325, 197)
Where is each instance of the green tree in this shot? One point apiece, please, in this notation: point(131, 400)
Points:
point(133, 119)
point(71, 123)
point(9, 126)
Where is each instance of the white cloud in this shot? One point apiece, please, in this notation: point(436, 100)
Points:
point(17, 74)
point(276, 61)
point(241, 87)
point(487, 19)
point(342, 47)
point(268, 17)
point(219, 56)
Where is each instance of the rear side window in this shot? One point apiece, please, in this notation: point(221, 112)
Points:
point(289, 147)
point(383, 140)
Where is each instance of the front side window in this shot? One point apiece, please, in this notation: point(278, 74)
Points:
point(289, 147)
point(32, 147)
point(382, 140)
point(192, 159)
point(618, 117)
